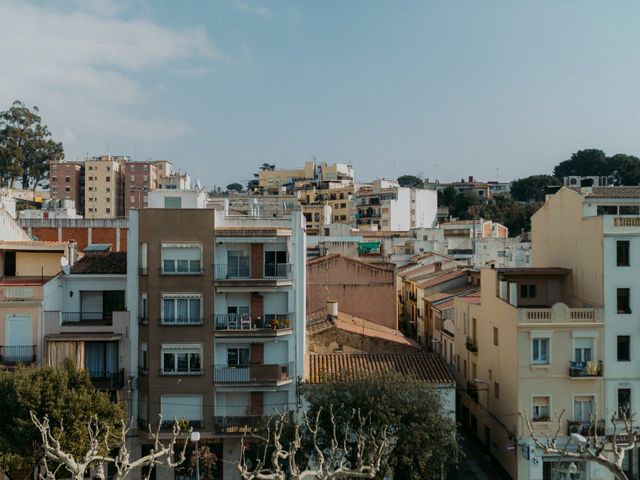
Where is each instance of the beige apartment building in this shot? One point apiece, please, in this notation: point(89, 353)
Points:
point(338, 197)
point(104, 187)
point(527, 345)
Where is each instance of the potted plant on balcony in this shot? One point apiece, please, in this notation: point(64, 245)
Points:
point(275, 324)
point(285, 323)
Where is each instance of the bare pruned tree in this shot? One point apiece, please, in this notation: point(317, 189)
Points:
point(606, 450)
point(103, 441)
point(352, 452)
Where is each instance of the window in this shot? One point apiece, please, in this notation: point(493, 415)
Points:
point(624, 350)
point(181, 310)
point(181, 406)
point(623, 295)
point(181, 359)
point(495, 336)
point(54, 179)
point(237, 264)
point(238, 356)
point(629, 210)
point(540, 351)
point(132, 178)
point(607, 210)
point(275, 264)
point(108, 189)
point(181, 259)
point(172, 202)
point(624, 402)
point(622, 253)
point(583, 350)
point(496, 389)
point(108, 210)
point(67, 179)
point(528, 291)
point(67, 189)
point(582, 409)
point(132, 199)
point(108, 170)
point(143, 357)
point(107, 199)
point(108, 179)
point(540, 409)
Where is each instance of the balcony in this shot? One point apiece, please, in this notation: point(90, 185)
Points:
point(143, 321)
point(193, 372)
point(108, 380)
point(472, 391)
point(15, 354)
point(231, 273)
point(186, 322)
point(560, 314)
point(586, 428)
point(239, 425)
point(86, 318)
point(271, 374)
point(193, 270)
point(233, 324)
point(586, 369)
point(472, 344)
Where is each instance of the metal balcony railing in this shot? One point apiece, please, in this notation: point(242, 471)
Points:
point(472, 344)
point(224, 271)
point(192, 270)
point(586, 428)
point(592, 368)
point(76, 317)
point(180, 373)
point(254, 373)
point(107, 379)
point(14, 354)
point(239, 425)
point(240, 321)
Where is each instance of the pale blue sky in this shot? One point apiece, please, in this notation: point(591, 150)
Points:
point(220, 87)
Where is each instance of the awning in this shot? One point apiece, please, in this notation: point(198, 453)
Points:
point(83, 336)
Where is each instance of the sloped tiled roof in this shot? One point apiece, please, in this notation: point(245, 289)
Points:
point(445, 277)
point(114, 263)
point(427, 367)
point(614, 192)
point(332, 256)
point(33, 243)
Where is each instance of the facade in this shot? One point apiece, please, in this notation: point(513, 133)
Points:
point(221, 313)
point(312, 171)
point(104, 187)
point(336, 195)
point(139, 179)
point(67, 183)
point(25, 266)
point(386, 206)
point(86, 320)
point(527, 345)
point(177, 198)
point(361, 289)
point(596, 233)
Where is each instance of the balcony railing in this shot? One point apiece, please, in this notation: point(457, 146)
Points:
point(78, 317)
point(472, 391)
point(181, 322)
point(586, 369)
point(472, 344)
point(224, 271)
point(239, 321)
point(252, 373)
point(199, 270)
point(183, 422)
point(14, 354)
point(107, 379)
point(193, 372)
point(239, 425)
point(586, 428)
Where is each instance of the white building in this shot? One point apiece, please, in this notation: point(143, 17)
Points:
point(177, 198)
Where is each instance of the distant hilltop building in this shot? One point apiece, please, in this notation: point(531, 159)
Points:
point(312, 171)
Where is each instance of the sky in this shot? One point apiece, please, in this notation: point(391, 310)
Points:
point(440, 89)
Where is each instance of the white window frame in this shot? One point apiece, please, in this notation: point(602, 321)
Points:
point(593, 405)
point(533, 407)
point(175, 349)
point(191, 268)
point(541, 336)
point(180, 296)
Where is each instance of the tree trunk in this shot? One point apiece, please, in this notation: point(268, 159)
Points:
point(25, 181)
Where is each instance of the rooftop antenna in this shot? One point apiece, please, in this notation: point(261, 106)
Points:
point(393, 166)
point(436, 165)
point(497, 175)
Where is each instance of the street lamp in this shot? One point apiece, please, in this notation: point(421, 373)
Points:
point(195, 438)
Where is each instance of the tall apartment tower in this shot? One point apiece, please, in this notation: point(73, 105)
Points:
point(104, 187)
point(595, 231)
point(139, 179)
point(66, 180)
point(221, 305)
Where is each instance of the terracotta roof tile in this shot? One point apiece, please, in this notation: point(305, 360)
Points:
point(427, 367)
point(111, 263)
point(614, 192)
point(443, 278)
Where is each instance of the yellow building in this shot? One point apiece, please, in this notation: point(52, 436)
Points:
point(104, 187)
point(338, 197)
point(528, 346)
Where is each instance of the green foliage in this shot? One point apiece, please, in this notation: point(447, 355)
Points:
point(516, 216)
point(625, 169)
point(410, 181)
point(234, 186)
point(65, 395)
point(532, 189)
point(586, 162)
point(25, 147)
point(422, 439)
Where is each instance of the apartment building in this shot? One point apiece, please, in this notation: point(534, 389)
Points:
point(312, 171)
point(384, 205)
point(529, 346)
point(595, 231)
point(337, 196)
point(221, 312)
point(25, 266)
point(104, 187)
point(86, 320)
point(139, 179)
point(67, 183)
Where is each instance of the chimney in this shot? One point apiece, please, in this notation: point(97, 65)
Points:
point(332, 310)
point(437, 266)
point(470, 178)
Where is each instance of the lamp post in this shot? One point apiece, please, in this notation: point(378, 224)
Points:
point(195, 437)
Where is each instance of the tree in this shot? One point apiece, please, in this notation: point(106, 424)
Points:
point(532, 189)
point(586, 162)
point(421, 437)
point(64, 395)
point(25, 146)
point(103, 445)
point(234, 187)
point(625, 169)
point(267, 167)
point(410, 181)
point(606, 450)
point(352, 450)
